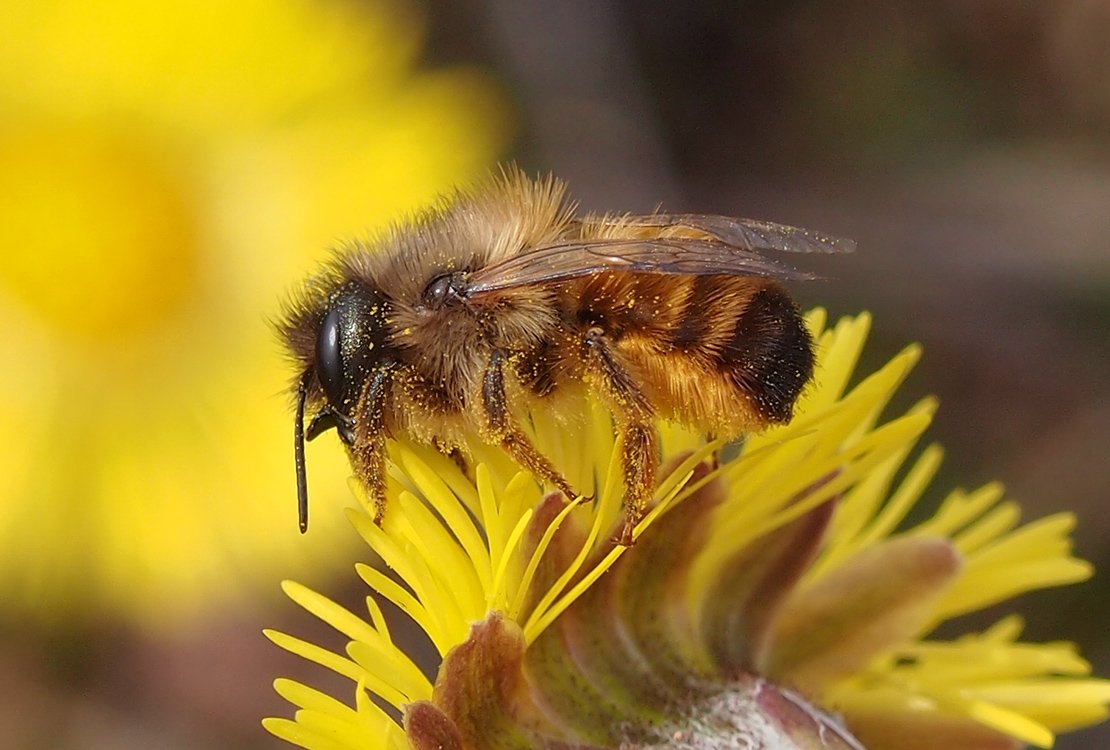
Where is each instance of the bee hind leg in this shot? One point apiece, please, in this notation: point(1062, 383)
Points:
point(500, 429)
point(637, 438)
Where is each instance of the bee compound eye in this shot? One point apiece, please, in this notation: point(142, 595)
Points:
point(329, 356)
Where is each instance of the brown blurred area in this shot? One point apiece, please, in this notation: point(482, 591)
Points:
point(965, 145)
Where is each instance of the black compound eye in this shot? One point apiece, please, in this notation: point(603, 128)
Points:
point(329, 356)
point(351, 342)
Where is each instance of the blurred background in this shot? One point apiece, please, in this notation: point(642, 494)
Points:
point(168, 174)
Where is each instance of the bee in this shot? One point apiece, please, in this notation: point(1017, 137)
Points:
point(502, 292)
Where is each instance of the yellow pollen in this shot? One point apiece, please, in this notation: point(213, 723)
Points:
point(99, 236)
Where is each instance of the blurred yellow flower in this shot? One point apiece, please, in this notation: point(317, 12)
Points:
point(166, 170)
point(761, 595)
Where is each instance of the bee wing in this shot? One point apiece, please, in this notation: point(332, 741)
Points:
point(747, 234)
point(672, 255)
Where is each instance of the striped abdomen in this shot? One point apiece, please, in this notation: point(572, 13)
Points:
point(723, 353)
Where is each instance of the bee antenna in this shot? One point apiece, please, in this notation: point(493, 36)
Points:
point(298, 451)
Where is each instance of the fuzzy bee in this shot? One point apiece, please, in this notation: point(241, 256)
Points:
point(502, 293)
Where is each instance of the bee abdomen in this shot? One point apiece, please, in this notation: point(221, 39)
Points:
point(769, 355)
point(695, 323)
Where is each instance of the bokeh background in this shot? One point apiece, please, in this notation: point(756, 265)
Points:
point(168, 173)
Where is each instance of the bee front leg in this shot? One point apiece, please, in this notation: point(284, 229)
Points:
point(637, 438)
point(500, 428)
point(368, 452)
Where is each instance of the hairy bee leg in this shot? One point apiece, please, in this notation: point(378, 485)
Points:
point(502, 430)
point(639, 461)
point(636, 435)
point(368, 451)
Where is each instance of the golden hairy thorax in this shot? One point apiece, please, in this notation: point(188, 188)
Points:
point(500, 300)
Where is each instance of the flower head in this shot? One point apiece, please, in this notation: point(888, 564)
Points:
point(774, 596)
point(166, 170)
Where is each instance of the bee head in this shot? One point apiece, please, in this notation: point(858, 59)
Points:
point(350, 346)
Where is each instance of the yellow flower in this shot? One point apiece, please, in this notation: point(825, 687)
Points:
point(167, 169)
point(762, 598)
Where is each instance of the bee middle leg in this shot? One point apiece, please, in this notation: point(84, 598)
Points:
point(500, 428)
point(637, 438)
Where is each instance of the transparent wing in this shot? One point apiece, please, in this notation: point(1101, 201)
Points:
point(748, 234)
point(677, 255)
